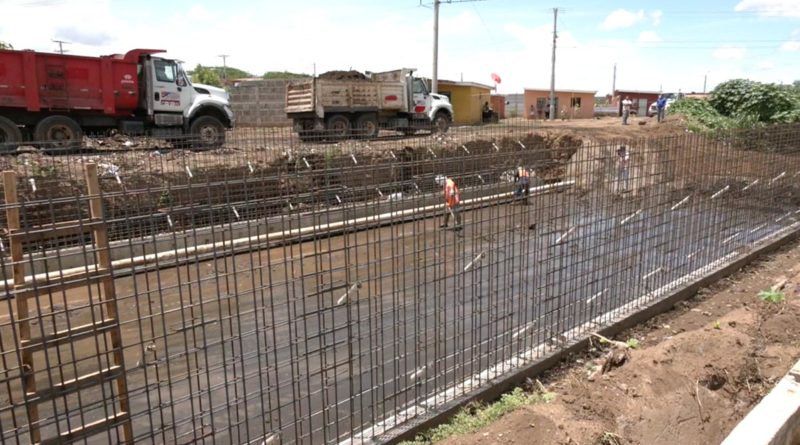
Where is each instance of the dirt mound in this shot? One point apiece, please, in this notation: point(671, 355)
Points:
point(343, 75)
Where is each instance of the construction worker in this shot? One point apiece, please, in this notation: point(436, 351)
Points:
point(452, 201)
point(523, 180)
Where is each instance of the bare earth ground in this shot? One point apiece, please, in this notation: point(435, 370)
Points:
point(698, 371)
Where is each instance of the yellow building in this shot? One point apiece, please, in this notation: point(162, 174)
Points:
point(467, 99)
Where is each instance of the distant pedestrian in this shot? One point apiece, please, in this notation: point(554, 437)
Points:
point(452, 201)
point(626, 110)
point(661, 106)
point(623, 167)
point(523, 180)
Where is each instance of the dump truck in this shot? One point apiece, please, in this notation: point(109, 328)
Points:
point(57, 98)
point(348, 104)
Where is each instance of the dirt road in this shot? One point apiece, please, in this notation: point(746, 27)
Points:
point(700, 368)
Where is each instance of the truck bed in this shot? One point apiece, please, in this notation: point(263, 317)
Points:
point(322, 96)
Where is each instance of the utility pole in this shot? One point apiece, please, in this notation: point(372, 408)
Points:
point(614, 82)
point(61, 45)
point(224, 67)
point(435, 74)
point(705, 79)
point(553, 68)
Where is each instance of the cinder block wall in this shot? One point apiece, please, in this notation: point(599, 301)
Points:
point(260, 103)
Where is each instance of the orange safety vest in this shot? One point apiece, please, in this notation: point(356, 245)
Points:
point(451, 195)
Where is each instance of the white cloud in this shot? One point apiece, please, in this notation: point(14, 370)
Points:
point(770, 8)
point(729, 53)
point(656, 17)
point(793, 44)
point(648, 37)
point(766, 65)
point(622, 18)
point(199, 13)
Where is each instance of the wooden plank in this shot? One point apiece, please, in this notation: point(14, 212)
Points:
point(68, 335)
point(57, 230)
point(26, 357)
point(109, 292)
point(76, 384)
point(90, 429)
point(57, 283)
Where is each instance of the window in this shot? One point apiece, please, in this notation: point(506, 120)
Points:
point(165, 71)
point(576, 102)
point(419, 87)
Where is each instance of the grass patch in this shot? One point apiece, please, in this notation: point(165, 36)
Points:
point(771, 296)
point(476, 416)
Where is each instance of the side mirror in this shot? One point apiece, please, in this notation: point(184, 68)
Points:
point(181, 82)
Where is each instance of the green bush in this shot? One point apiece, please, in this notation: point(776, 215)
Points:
point(741, 103)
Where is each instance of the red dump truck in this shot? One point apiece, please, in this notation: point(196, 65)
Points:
point(56, 98)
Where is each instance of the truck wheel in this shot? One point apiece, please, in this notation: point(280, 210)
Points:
point(367, 126)
point(441, 122)
point(58, 132)
point(207, 133)
point(338, 126)
point(10, 136)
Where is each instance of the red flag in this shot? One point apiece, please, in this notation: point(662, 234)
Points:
point(496, 78)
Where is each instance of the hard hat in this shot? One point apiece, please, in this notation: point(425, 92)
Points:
point(440, 179)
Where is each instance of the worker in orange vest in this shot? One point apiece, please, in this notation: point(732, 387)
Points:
point(452, 201)
point(523, 180)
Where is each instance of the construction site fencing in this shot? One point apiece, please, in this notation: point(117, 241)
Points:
point(278, 291)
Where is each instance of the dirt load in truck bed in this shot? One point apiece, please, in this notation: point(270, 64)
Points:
point(342, 75)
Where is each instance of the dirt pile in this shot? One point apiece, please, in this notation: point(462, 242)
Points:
point(697, 371)
point(342, 75)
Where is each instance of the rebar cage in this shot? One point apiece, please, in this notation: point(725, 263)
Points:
point(277, 291)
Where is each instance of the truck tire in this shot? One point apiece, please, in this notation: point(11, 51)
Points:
point(441, 122)
point(367, 126)
point(10, 136)
point(338, 126)
point(58, 133)
point(207, 133)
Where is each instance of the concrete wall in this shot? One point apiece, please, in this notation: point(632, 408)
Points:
point(499, 106)
point(641, 101)
point(516, 105)
point(564, 99)
point(260, 103)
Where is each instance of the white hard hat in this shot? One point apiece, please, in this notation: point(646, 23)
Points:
point(440, 179)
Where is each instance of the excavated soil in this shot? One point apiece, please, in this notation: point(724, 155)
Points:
point(698, 371)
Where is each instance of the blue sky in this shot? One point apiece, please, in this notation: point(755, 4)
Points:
point(654, 44)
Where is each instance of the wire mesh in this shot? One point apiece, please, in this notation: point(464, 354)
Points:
point(279, 291)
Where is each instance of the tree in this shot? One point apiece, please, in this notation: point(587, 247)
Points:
point(206, 76)
point(5, 45)
point(284, 75)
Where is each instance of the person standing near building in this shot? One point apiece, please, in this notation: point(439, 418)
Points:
point(626, 110)
point(452, 201)
point(661, 106)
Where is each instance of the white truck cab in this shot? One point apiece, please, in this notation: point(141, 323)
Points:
point(173, 103)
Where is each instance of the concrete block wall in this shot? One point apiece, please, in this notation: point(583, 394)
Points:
point(260, 103)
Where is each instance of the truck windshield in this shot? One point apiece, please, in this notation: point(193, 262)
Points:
point(419, 87)
point(183, 79)
point(166, 70)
